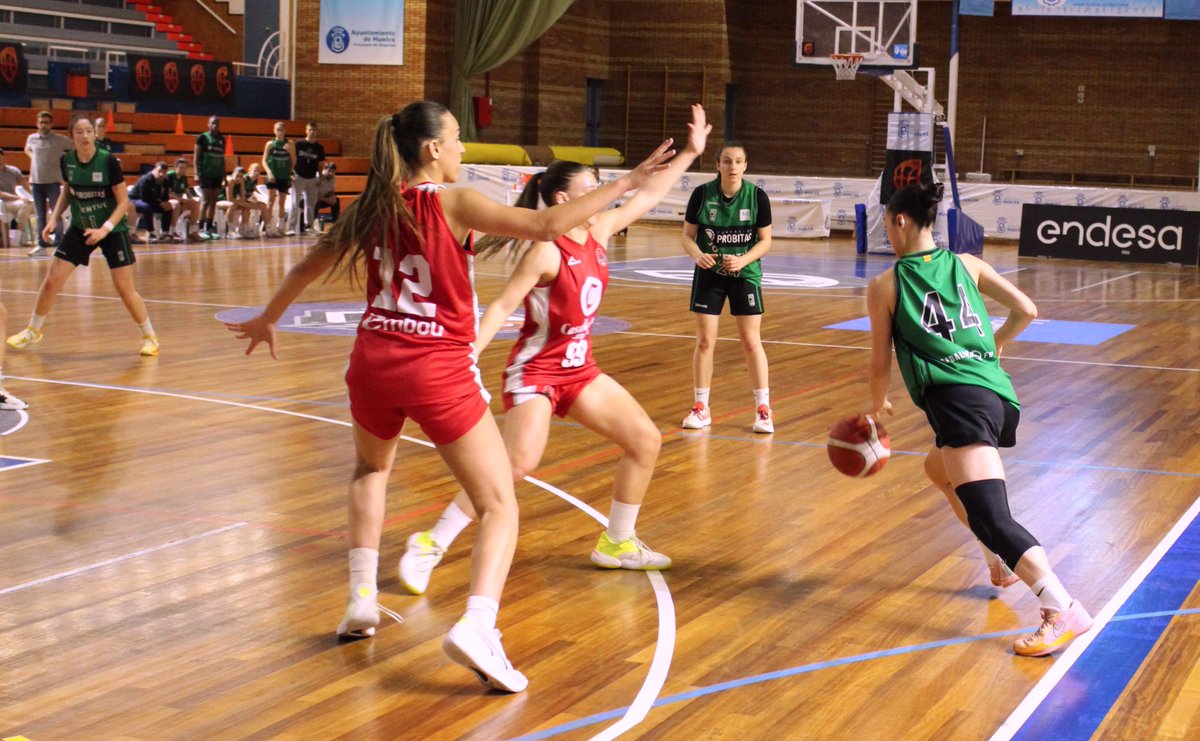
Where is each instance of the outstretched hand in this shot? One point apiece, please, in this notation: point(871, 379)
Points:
point(257, 330)
point(655, 163)
point(698, 130)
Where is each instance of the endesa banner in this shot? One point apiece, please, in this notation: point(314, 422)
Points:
point(179, 78)
point(1119, 234)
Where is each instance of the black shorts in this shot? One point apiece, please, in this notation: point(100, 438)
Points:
point(283, 185)
point(115, 247)
point(212, 183)
point(962, 415)
point(709, 290)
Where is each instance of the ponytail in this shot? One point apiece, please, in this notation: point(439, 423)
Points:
point(555, 178)
point(491, 244)
point(380, 214)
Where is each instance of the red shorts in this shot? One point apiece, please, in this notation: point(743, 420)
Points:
point(446, 409)
point(561, 395)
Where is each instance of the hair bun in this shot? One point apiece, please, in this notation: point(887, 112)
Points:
point(934, 192)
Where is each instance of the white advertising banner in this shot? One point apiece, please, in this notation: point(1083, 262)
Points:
point(362, 32)
point(821, 204)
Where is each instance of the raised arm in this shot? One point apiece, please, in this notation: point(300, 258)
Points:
point(1021, 309)
point(262, 327)
point(468, 209)
point(649, 195)
point(880, 298)
point(540, 264)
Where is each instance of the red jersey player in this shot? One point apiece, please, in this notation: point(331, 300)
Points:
point(413, 357)
point(551, 370)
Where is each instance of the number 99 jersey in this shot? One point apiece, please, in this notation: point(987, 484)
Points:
point(555, 346)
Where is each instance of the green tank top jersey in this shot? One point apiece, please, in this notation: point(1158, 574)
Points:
point(279, 159)
point(727, 227)
point(212, 156)
point(178, 184)
point(941, 328)
point(105, 144)
point(240, 187)
point(92, 199)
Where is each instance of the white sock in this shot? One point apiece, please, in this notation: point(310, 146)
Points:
point(1051, 593)
point(37, 320)
point(449, 525)
point(364, 567)
point(762, 396)
point(701, 395)
point(621, 519)
point(483, 611)
point(147, 328)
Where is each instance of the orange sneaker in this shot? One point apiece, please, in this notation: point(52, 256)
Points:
point(1056, 631)
point(1002, 576)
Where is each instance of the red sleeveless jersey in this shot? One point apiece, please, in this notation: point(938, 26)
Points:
point(555, 346)
point(421, 315)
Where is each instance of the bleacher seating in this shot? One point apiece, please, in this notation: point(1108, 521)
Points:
point(249, 135)
point(99, 33)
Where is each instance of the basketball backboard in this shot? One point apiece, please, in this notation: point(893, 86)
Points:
point(883, 31)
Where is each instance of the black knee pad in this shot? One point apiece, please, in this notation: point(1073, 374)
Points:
point(986, 503)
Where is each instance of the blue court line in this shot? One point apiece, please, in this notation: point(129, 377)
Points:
point(807, 669)
point(1080, 702)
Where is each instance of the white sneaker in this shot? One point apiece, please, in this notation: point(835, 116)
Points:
point(290, 233)
point(480, 651)
point(36, 251)
point(362, 613)
point(416, 565)
point(10, 402)
point(698, 418)
point(762, 420)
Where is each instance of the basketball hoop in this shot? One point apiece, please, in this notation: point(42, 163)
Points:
point(845, 66)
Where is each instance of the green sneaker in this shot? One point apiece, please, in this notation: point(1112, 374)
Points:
point(630, 553)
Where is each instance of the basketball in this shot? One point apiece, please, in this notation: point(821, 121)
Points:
point(858, 446)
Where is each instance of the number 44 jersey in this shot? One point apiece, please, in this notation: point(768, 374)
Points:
point(555, 346)
point(942, 332)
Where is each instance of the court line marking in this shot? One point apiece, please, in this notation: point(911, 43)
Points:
point(659, 665)
point(28, 462)
point(24, 417)
point(1068, 658)
point(119, 559)
point(1110, 280)
point(1132, 366)
point(808, 669)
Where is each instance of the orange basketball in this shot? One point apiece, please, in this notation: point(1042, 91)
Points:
point(858, 446)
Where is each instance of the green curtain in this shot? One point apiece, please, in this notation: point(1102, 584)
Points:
point(487, 34)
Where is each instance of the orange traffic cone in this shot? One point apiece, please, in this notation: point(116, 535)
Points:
point(112, 119)
point(179, 124)
point(228, 146)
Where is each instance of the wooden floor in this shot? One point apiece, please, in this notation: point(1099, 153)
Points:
point(175, 567)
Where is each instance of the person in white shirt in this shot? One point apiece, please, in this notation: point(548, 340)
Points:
point(45, 148)
point(14, 205)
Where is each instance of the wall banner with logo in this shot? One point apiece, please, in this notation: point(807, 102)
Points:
point(179, 78)
point(362, 32)
point(1119, 234)
point(14, 70)
point(909, 153)
point(1093, 8)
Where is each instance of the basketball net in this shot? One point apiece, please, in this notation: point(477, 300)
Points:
point(845, 66)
